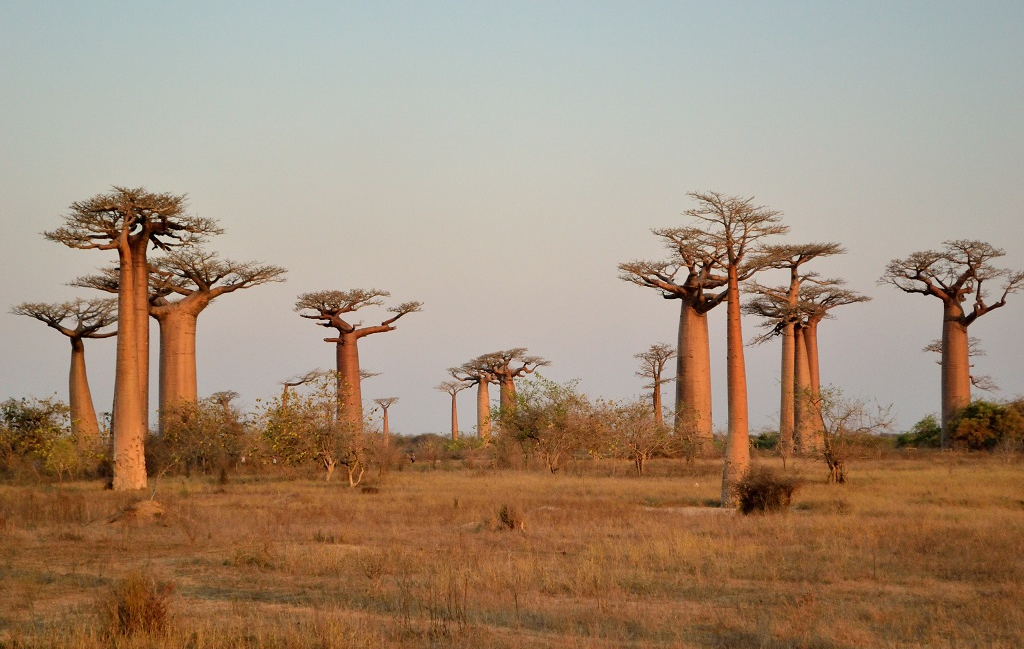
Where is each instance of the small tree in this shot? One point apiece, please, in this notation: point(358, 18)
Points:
point(550, 420)
point(302, 427)
point(36, 437)
point(638, 432)
point(652, 368)
point(844, 420)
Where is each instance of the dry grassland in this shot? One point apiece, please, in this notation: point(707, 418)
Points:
point(921, 552)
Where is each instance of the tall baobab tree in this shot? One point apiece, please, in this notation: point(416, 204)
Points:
point(960, 269)
point(182, 284)
point(652, 367)
point(385, 403)
point(983, 383)
point(85, 319)
point(130, 221)
point(815, 299)
point(506, 366)
point(329, 308)
point(792, 258)
point(735, 228)
point(473, 374)
point(691, 275)
point(452, 388)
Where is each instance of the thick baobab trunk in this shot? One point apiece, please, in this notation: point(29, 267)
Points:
point(787, 404)
point(507, 394)
point(659, 416)
point(178, 384)
point(804, 421)
point(140, 286)
point(483, 410)
point(128, 420)
point(956, 369)
point(737, 451)
point(455, 418)
point(693, 377)
point(387, 429)
point(814, 375)
point(350, 394)
point(84, 424)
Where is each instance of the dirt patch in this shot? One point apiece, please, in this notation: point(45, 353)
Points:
point(143, 511)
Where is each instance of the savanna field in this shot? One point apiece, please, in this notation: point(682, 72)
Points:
point(917, 549)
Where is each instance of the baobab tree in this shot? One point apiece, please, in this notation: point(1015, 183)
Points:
point(734, 228)
point(652, 367)
point(506, 366)
point(328, 308)
point(791, 258)
point(130, 221)
point(385, 403)
point(816, 298)
point(983, 383)
point(452, 388)
point(960, 269)
point(182, 284)
point(691, 275)
point(85, 319)
point(473, 374)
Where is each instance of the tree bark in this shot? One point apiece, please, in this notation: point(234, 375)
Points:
point(956, 368)
point(455, 418)
point(507, 393)
point(350, 393)
point(84, 424)
point(128, 418)
point(483, 410)
point(659, 416)
point(787, 415)
point(140, 286)
point(693, 377)
point(814, 374)
point(178, 383)
point(387, 430)
point(804, 422)
point(737, 452)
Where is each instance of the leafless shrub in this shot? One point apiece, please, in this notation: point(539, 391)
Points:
point(764, 490)
point(137, 604)
point(510, 517)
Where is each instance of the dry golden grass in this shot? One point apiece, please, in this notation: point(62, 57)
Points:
point(922, 552)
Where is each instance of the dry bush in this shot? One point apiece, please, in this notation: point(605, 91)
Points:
point(510, 517)
point(765, 490)
point(137, 604)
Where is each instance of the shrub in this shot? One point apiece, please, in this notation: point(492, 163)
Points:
point(137, 604)
point(764, 490)
point(925, 433)
point(510, 517)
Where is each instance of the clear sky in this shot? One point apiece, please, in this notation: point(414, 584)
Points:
point(497, 160)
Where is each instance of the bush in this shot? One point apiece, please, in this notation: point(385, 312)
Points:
point(137, 604)
point(926, 433)
point(510, 517)
point(764, 490)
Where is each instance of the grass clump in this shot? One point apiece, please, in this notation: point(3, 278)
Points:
point(137, 604)
point(510, 517)
point(765, 490)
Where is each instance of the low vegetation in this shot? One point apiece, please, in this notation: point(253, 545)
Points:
point(917, 549)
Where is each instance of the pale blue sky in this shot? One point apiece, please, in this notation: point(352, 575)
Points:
point(496, 160)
